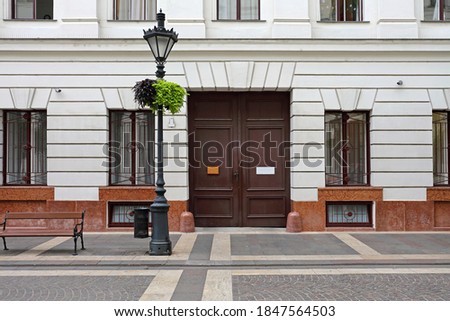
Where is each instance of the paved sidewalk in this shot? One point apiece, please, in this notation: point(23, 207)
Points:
point(231, 264)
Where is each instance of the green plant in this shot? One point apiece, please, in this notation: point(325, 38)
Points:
point(154, 93)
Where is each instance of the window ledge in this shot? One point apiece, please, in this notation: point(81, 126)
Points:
point(328, 187)
point(31, 20)
point(234, 20)
point(343, 22)
point(435, 21)
point(113, 20)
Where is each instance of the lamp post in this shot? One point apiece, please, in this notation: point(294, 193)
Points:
point(161, 42)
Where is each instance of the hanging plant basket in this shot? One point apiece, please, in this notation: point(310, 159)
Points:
point(153, 93)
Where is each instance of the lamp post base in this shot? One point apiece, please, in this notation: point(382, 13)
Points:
point(161, 248)
point(160, 243)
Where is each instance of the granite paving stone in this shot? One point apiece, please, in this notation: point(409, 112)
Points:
point(281, 244)
point(429, 243)
point(358, 287)
point(73, 288)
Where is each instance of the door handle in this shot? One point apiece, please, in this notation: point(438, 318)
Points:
point(236, 174)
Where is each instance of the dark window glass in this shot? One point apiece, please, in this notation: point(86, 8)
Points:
point(238, 9)
point(341, 10)
point(346, 149)
point(25, 142)
point(436, 10)
point(32, 9)
point(132, 148)
point(440, 148)
point(135, 9)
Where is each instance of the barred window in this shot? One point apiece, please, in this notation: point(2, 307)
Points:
point(436, 10)
point(122, 214)
point(349, 214)
point(135, 9)
point(131, 148)
point(238, 9)
point(440, 148)
point(346, 149)
point(25, 141)
point(341, 10)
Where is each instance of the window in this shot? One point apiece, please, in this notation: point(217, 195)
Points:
point(341, 10)
point(131, 148)
point(440, 148)
point(346, 149)
point(32, 9)
point(437, 10)
point(135, 10)
point(349, 214)
point(238, 9)
point(122, 214)
point(25, 147)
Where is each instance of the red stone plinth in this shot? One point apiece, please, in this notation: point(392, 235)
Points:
point(293, 223)
point(187, 224)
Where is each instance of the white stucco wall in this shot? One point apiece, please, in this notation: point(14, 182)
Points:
point(96, 61)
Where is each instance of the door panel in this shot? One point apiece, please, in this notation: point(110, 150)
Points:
point(238, 174)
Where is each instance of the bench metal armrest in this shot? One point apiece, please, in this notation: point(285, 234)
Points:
point(78, 228)
point(4, 221)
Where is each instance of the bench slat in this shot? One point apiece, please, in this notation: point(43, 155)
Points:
point(35, 232)
point(43, 215)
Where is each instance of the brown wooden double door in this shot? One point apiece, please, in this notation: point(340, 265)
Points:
point(239, 156)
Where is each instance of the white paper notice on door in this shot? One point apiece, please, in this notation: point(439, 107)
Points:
point(265, 170)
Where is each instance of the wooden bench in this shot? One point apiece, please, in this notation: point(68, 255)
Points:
point(20, 231)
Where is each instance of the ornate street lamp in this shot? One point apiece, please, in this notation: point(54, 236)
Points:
point(161, 42)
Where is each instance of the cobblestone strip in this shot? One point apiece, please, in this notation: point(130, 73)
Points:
point(338, 271)
point(183, 248)
point(356, 244)
point(73, 288)
point(162, 286)
point(343, 287)
point(218, 286)
point(41, 248)
point(221, 247)
point(37, 273)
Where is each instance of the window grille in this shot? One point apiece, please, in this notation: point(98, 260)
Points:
point(122, 214)
point(440, 148)
point(346, 149)
point(25, 148)
point(349, 214)
point(131, 148)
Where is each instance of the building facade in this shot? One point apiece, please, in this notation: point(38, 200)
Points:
point(336, 109)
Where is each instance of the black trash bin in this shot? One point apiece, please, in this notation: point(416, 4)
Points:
point(141, 222)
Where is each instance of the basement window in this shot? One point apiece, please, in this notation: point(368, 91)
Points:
point(357, 214)
point(122, 214)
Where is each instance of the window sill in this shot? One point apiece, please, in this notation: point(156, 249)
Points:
point(343, 22)
point(435, 21)
point(349, 228)
point(350, 187)
point(234, 20)
point(150, 20)
point(31, 20)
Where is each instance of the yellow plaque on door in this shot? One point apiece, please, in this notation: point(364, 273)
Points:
point(213, 170)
